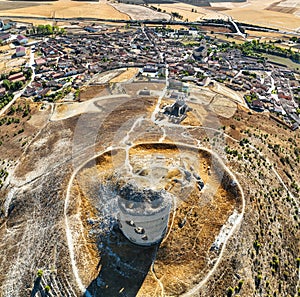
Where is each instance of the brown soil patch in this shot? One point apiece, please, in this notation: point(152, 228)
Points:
point(4, 48)
point(265, 35)
point(126, 75)
point(92, 92)
point(183, 9)
point(223, 106)
point(215, 29)
point(216, 8)
point(8, 5)
point(62, 108)
point(273, 19)
point(290, 10)
point(192, 119)
point(283, 9)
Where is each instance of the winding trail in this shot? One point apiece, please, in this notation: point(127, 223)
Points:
point(70, 238)
point(70, 241)
point(126, 146)
point(158, 281)
point(194, 290)
point(219, 259)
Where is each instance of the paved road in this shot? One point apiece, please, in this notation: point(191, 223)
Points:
point(238, 31)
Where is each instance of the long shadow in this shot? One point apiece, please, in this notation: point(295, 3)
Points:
point(37, 287)
point(123, 266)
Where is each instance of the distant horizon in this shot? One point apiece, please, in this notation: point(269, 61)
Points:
point(200, 3)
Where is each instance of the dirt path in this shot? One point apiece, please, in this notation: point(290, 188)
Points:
point(70, 237)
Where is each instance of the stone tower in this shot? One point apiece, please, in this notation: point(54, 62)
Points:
point(143, 214)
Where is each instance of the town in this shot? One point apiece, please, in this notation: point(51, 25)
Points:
point(45, 63)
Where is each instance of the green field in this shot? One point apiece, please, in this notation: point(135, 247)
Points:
point(285, 61)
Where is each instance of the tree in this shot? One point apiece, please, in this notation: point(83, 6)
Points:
point(47, 288)
point(49, 29)
point(240, 284)
point(230, 292)
point(6, 84)
point(28, 73)
point(40, 273)
point(25, 113)
point(258, 279)
point(40, 29)
point(12, 110)
point(17, 85)
point(256, 246)
point(46, 29)
point(176, 15)
point(294, 39)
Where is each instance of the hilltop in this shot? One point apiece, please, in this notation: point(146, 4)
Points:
point(207, 113)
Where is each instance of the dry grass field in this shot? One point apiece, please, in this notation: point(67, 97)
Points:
point(272, 13)
point(66, 8)
point(186, 11)
point(282, 15)
point(185, 251)
point(138, 12)
point(266, 18)
point(8, 5)
point(126, 75)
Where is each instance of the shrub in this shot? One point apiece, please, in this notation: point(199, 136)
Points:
point(47, 288)
point(230, 292)
point(240, 284)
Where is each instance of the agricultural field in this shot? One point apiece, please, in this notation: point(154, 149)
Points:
point(63, 9)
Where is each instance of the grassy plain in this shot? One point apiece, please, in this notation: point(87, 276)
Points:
point(284, 61)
